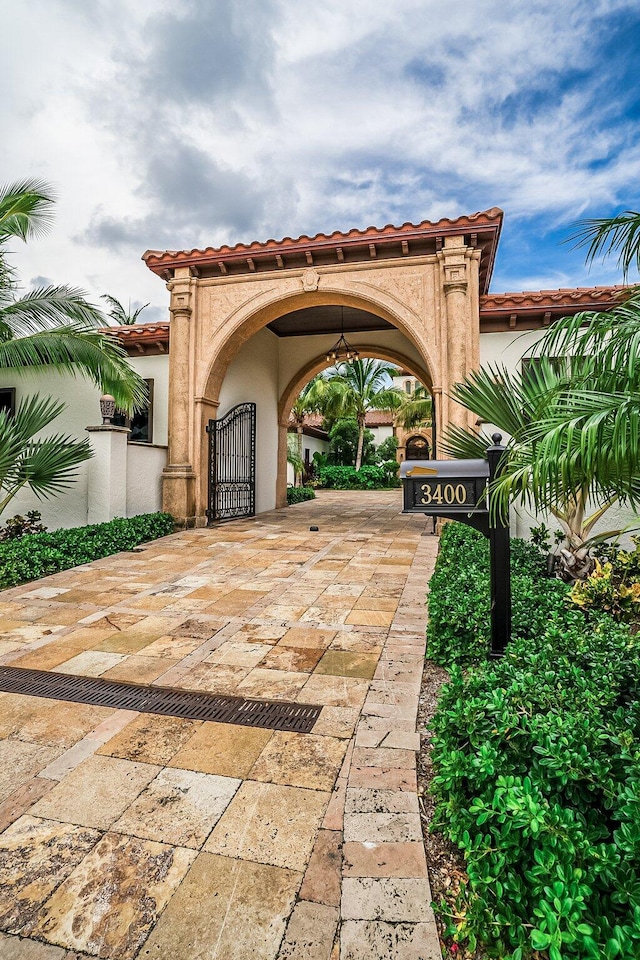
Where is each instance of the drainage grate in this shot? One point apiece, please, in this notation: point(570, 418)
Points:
point(269, 714)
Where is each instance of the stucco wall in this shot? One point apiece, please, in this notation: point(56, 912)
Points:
point(253, 377)
point(82, 409)
point(145, 463)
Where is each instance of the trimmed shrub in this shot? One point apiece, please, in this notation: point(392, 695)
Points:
point(537, 769)
point(299, 494)
point(459, 596)
point(348, 478)
point(41, 554)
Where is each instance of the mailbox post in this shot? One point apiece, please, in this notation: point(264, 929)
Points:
point(457, 490)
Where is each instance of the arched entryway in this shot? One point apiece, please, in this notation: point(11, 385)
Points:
point(249, 323)
point(417, 448)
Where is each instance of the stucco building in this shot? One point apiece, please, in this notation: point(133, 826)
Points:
point(251, 324)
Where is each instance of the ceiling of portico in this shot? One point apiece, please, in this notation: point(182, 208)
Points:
point(327, 318)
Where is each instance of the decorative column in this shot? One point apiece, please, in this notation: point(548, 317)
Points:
point(462, 326)
point(178, 478)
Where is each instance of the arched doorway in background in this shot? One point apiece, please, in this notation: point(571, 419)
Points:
point(417, 448)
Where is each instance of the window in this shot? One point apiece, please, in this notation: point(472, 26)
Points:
point(141, 424)
point(8, 400)
point(407, 386)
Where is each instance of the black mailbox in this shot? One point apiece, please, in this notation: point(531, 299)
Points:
point(445, 488)
point(458, 490)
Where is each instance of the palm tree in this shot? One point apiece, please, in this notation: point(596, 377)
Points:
point(46, 466)
point(55, 325)
point(125, 318)
point(598, 427)
point(350, 390)
point(416, 410)
point(518, 404)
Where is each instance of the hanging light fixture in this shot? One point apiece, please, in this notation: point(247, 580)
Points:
point(342, 350)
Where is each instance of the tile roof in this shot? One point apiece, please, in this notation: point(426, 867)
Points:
point(409, 239)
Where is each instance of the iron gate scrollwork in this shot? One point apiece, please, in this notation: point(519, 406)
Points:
point(232, 464)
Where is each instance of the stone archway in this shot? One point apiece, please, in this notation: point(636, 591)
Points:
point(421, 282)
point(309, 371)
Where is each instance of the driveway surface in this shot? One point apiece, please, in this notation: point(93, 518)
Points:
point(129, 835)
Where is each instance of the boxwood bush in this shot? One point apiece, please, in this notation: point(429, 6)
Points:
point(300, 494)
point(41, 554)
point(537, 772)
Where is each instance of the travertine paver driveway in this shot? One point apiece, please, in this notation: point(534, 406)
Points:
point(130, 835)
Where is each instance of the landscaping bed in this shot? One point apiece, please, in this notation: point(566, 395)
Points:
point(41, 554)
point(300, 494)
point(533, 767)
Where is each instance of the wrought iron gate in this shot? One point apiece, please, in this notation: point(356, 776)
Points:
point(232, 464)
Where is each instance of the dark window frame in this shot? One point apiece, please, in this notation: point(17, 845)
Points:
point(10, 394)
point(120, 420)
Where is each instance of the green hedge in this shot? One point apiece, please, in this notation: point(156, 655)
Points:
point(300, 494)
point(537, 773)
point(366, 478)
point(41, 554)
point(459, 596)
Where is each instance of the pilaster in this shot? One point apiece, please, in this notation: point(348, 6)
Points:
point(178, 480)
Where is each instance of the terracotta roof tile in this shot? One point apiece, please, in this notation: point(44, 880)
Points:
point(569, 296)
point(369, 233)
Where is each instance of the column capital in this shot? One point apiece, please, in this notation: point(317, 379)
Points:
point(181, 290)
point(455, 277)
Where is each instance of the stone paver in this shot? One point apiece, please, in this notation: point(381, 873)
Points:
point(132, 836)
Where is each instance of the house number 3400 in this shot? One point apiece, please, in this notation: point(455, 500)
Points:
point(443, 493)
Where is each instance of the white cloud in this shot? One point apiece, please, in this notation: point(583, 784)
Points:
point(188, 123)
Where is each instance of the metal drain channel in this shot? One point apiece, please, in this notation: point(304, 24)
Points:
point(168, 701)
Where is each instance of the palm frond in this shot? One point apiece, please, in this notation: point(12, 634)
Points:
point(47, 466)
point(603, 236)
point(48, 307)
point(25, 209)
point(119, 314)
point(98, 356)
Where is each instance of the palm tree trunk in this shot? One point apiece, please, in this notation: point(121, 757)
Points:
point(360, 442)
point(298, 482)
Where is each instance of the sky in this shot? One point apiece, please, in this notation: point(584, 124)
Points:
point(174, 124)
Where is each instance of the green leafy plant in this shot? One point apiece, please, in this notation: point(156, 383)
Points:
point(343, 444)
point(348, 478)
point(41, 554)
point(613, 587)
point(55, 326)
point(124, 318)
point(386, 450)
point(47, 466)
point(351, 390)
point(300, 494)
point(458, 629)
point(537, 769)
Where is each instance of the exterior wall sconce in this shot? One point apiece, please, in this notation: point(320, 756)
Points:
point(107, 409)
